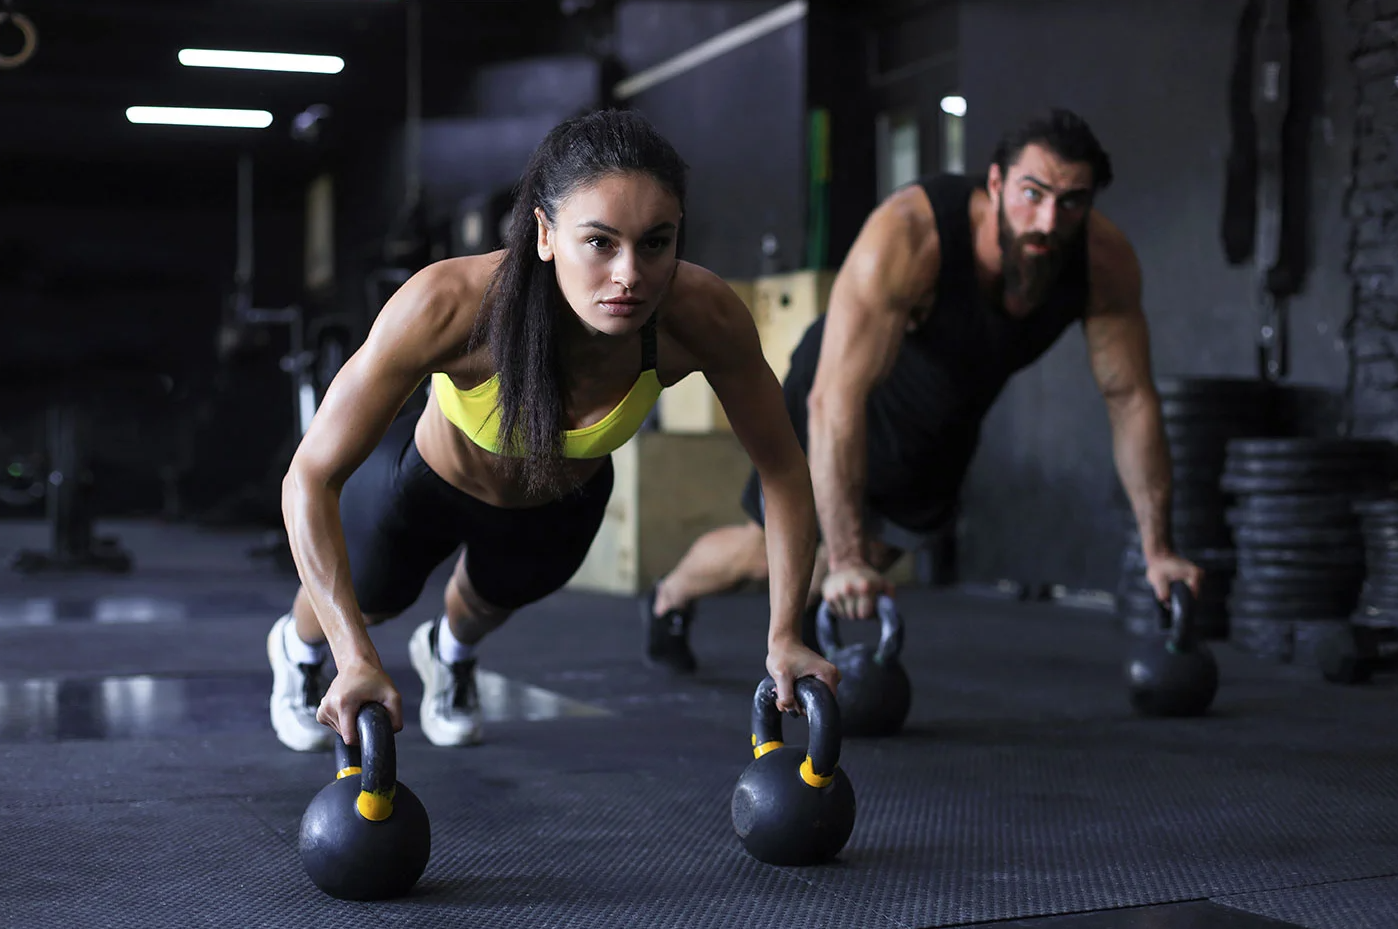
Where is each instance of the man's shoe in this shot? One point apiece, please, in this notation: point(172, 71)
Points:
point(667, 637)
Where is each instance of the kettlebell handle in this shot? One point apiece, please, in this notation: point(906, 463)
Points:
point(823, 716)
point(378, 770)
point(890, 630)
point(1183, 628)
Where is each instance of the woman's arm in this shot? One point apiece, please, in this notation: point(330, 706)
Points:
point(404, 345)
point(723, 339)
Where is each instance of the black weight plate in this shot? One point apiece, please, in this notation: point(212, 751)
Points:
point(1375, 616)
point(1229, 420)
point(1251, 537)
point(1298, 504)
point(1293, 447)
point(1293, 609)
point(1178, 385)
point(1331, 557)
point(1234, 483)
point(1199, 463)
point(1187, 539)
point(1382, 507)
point(1306, 588)
point(1298, 467)
point(1267, 639)
point(1238, 517)
point(1273, 572)
point(1220, 560)
point(1140, 603)
point(1199, 516)
point(1380, 563)
point(1308, 638)
point(1381, 537)
point(1216, 433)
point(1189, 474)
point(1385, 604)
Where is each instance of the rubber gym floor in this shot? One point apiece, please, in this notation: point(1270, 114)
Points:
point(144, 786)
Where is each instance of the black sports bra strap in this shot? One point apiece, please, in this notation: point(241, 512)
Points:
point(648, 352)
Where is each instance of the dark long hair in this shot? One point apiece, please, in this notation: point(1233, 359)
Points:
point(523, 306)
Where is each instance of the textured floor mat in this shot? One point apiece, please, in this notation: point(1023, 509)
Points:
point(1370, 904)
point(1022, 787)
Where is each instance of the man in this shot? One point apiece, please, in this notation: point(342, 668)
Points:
point(950, 288)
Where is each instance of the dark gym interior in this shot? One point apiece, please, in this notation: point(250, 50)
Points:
point(179, 297)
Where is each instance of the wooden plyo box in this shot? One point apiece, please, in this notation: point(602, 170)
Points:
point(669, 490)
point(784, 306)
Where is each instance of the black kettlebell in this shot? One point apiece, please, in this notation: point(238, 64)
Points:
point(1172, 672)
point(875, 693)
point(794, 806)
point(365, 836)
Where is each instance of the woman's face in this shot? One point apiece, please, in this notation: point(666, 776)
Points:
point(613, 250)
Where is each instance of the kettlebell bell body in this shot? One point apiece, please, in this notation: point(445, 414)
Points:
point(365, 836)
point(875, 694)
point(1173, 673)
point(793, 807)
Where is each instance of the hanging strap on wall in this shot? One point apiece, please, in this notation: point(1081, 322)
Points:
point(1240, 186)
point(1271, 96)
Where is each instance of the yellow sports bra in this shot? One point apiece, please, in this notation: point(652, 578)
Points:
point(474, 411)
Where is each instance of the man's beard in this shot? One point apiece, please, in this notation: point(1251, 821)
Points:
point(1029, 276)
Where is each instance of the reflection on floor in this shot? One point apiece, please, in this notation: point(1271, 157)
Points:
point(111, 609)
point(49, 709)
point(1192, 915)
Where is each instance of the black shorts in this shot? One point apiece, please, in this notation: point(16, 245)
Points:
point(402, 520)
point(900, 507)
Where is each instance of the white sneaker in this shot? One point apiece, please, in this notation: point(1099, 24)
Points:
point(451, 708)
point(296, 693)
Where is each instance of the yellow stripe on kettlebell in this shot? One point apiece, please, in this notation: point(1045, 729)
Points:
point(346, 772)
point(810, 777)
point(760, 750)
point(375, 807)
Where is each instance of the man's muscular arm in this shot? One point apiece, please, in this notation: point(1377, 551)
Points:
point(1118, 342)
point(890, 267)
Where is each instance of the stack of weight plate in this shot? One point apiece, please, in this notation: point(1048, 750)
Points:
point(1378, 597)
point(1201, 415)
point(1300, 552)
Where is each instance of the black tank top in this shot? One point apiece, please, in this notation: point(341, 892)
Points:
point(925, 417)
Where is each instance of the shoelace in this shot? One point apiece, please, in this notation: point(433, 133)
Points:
point(310, 684)
point(463, 690)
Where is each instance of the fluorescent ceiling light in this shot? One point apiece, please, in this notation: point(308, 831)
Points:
point(261, 61)
point(954, 106)
point(194, 116)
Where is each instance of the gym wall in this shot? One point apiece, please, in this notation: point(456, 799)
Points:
point(1153, 80)
point(739, 120)
point(1373, 211)
point(128, 264)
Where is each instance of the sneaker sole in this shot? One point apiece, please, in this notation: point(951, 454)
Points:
point(293, 737)
point(420, 655)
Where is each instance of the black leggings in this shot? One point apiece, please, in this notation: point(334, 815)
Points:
point(402, 520)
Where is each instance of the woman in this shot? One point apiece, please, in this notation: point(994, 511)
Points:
point(544, 357)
